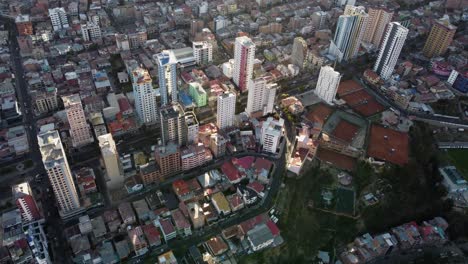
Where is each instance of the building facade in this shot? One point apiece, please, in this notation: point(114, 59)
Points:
point(378, 22)
point(58, 18)
point(145, 96)
point(261, 97)
point(167, 70)
point(173, 126)
point(244, 56)
point(439, 39)
point(80, 132)
point(110, 156)
point(299, 52)
point(327, 84)
point(203, 52)
point(226, 110)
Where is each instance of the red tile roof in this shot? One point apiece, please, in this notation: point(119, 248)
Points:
point(262, 164)
point(256, 186)
point(180, 187)
point(388, 145)
point(151, 233)
point(124, 105)
point(166, 226)
point(273, 228)
point(230, 171)
point(244, 162)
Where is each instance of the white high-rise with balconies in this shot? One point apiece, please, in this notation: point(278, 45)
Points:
point(244, 57)
point(80, 132)
point(261, 97)
point(226, 110)
point(91, 31)
point(145, 96)
point(59, 19)
point(390, 49)
point(60, 176)
point(167, 70)
point(327, 84)
point(203, 52)
point(110, 156)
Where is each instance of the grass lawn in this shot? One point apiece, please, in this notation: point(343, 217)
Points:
point(305, 230)
point(459, 159)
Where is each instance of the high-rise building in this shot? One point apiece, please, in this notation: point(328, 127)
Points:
point(145, 96)
point(378, 21)
point(167, 69)
point(439, 39)
point(261, 97)
point(59, 19)
point(196, 26)
point(272, 130)
point(91, 31)
point(192, 128)
point(392, 44)
point(60, 176)
point(244, 56)
point(327, 84)
point(299, 52)
point(173, 126)
point(203, 52)
point(24, 25)
point(226, 110)
point(349, 32)
point(24, 199)
point(168, 159)
point(319, 19)
point(218, 145)
point(110, 156)
point(80, 132)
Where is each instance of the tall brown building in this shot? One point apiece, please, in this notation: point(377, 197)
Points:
point(439, 39)
point(24, 25)
point(376, 25)
point(168, 159)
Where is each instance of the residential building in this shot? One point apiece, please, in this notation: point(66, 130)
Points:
point(191, 123)
point(220, 203)
point(145, 96)
point(198, 94)
point(260, 237)
point(127, 214)
point(203, 52)
point(91, 32)
point(167, 70)
point(110, 156)
point(80, 132)
point(167, 228)
point(272, 131)
point(218, 145)
point(168, 159)
point(182, 225)
point(173, 126)
point(167, 258)
point(261, 97)
point(138, 240)
point(226, 109)
point(196, 215)
point(390, 49)
point(299, 52)
point(378, 20)
point(327, 84)
point(24, 199)
point(24, 25)
point(349, 32)
point(319, 19)
point(150, 173)
point(194, 156)
point(45, 100)
point(244, 56)
point(59, 19)
point(440, 38)
point(60, 176)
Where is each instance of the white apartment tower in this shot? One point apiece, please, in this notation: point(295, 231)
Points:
point(145, 96)
point(261, 96)
point(80, 132)
point(59, 19)
point(272, 130)
point(392, 44)
point(56, 164)
point(349, 32)
point(226, 110)
point(203, 52)
point(378, 21)
point(91, 31)
point(299, 52)
point(244, 57)
point(167, 70)
point(327, 84)
point(110, 156)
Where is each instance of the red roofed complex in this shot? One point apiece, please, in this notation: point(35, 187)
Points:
point(152, 235)
point(231, 172)
point(273, 228)
point(388, 145)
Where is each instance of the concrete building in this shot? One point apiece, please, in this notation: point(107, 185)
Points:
point(261, 97)
point(272, 131)
point(218, 145)
point(168, 159)
point(45, 100)
point(91, 32)
point(192, 128)
point(203, 52)
point(110, 156)
point(80, 132)
point(167, 70)
point(327, 84)
point(198, 94)
point(194, 156)
point(24, 25)
point(24, 199)
point(299, 52)
point(58, 18)
point(439, 39)
point(244, 56)
point(319, 19)
point(349, 32)
point(173, 126)
point(196, 215)
point(60, 176)
point(378, 21)
point(145, 96)
point(395, 37)
point(226, 110)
